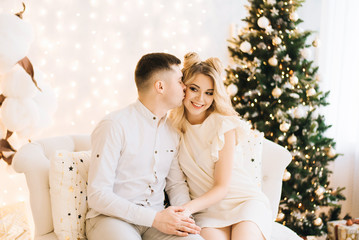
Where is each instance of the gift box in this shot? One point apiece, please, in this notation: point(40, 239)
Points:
point(14, 222)
point(343, 229)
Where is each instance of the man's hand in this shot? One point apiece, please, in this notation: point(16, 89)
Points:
point(172, 221)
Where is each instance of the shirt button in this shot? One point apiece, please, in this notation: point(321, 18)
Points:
point(156, 152)
point(154, 118)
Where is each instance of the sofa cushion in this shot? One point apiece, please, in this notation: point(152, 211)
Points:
point(68, 180)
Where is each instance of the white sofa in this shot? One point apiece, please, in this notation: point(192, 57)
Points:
point(33, 160)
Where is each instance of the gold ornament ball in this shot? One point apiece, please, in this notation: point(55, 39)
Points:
point(232, 89)
point(315, 43)
point(294, 16)
point(292, 139)
point(263, 22)
point(317, 78)
point(280, 216)
point(284, 126)
point(277, 40)
point(320, 191)
point(299, 112)
point(318, 221)
point(293, 80)
point(331, 152)
point(306, 53)
point(273, 61)
point(286, 175)
point(276, 92)
point(245, 47)
point(311, 92)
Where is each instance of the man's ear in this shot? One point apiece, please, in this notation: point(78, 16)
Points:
point(159, 86)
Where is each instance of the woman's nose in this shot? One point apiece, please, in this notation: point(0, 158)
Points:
point(200, 96)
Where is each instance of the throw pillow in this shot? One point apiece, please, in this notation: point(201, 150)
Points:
point(68, 180)
point(252, 146)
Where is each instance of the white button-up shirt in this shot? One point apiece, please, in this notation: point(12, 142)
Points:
point(134, 158)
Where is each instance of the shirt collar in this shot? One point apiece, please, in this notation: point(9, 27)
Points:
point(148, 115)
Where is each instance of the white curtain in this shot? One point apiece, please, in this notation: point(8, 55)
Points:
point(339, 73)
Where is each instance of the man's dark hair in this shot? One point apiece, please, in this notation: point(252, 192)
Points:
point(151, 63)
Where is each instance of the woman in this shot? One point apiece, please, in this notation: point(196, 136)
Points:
point(226, 202)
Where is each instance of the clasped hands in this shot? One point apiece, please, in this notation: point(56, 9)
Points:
point(176, 221)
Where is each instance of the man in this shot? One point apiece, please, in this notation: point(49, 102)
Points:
point(134, 159)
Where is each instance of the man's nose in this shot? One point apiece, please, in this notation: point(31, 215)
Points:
point(184, 86)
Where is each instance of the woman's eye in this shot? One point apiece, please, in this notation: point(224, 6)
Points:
point(193, 89)
point(209, 93)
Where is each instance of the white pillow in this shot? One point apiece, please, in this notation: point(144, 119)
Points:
point(252, 146)
point(68, 181)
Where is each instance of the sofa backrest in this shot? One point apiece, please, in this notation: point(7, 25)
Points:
point(33, 160)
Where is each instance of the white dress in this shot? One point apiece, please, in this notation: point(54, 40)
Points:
point(198, 153)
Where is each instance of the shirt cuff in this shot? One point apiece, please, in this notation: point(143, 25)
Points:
point(146, 217)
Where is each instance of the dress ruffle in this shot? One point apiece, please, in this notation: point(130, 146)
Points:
point(242, 129)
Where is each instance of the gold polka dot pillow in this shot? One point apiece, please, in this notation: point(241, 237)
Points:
point(252, 147)
point(68, 181)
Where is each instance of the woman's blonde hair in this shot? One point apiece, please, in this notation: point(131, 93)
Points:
point(212, 67)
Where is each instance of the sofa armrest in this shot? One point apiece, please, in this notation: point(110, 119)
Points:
point(33, 159)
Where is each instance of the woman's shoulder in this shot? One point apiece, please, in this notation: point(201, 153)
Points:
point(224, 123)
point(229, 119)
point(217, 117)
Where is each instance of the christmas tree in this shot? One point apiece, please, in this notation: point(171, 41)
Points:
point(274, 85)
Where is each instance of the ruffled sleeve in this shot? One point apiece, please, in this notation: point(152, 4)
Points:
point(227, 123)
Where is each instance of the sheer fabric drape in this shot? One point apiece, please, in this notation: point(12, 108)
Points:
point(338, 57)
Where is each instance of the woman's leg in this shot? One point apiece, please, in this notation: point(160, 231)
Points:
point(216, 233)
point(246, 230)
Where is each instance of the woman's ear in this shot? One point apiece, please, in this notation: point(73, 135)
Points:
point(159, 87)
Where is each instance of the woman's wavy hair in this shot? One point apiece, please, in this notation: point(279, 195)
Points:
point(212, 67)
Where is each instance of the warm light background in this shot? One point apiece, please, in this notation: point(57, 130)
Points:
point(88, 50)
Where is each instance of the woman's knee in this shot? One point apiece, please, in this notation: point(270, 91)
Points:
point(247, 230)
point(216, 233)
